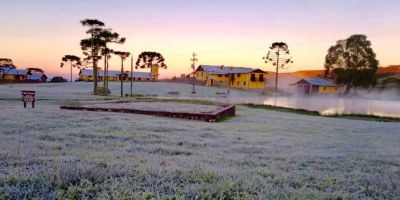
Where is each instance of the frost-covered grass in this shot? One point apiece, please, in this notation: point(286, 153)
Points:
point(48, 153)
point(154, 106)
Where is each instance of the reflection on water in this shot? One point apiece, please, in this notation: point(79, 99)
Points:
point(326, 105)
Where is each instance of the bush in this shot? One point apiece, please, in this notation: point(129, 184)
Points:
point(58, 79)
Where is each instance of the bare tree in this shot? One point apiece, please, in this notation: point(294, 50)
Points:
point(279, 56)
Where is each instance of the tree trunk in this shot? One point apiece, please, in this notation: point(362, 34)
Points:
point(107, 74)
point(348, 89)
point(94, 67)
point(277, 71)
point(131, 76)
point(95, 79)
point(104, 73)
point(71, 72)
point(122, 78)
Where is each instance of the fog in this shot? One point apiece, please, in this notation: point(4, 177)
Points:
point(379, 103)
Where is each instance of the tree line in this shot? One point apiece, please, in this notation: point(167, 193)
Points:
point(350, 62)
point(96, 47)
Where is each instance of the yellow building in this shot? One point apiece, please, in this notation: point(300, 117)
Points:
point(228, 76)
point(13, 74)
point(317, 86)
point(115, 75)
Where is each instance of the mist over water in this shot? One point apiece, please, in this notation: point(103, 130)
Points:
point(385, 104)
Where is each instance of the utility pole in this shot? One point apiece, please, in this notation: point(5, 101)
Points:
point(71, 71)
point(194, 59)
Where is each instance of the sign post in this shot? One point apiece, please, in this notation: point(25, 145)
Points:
point(28, 96)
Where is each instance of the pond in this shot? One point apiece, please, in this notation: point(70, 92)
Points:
point(325, 105)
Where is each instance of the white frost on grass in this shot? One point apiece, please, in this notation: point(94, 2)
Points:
point(156, 106)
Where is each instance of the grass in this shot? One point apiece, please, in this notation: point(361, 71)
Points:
point(316, 113)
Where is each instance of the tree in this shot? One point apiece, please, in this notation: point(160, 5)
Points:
point(352, 62)
point(148, 59)
point(108, 37)
point(74, 61)
point(6, 62)
point(123, 55)
point(58, 79)
point(35, 69)
point(106, 52)
point(91, 47)
point(279, 56)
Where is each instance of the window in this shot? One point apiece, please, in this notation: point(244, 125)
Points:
point(244, 82)
point(238, 75)
point(219, 75)
point(226, 75)
point(261, 78)
point(253, 77)
point(324, 88)
point(201, 74)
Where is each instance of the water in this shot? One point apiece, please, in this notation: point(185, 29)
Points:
point(326, 105)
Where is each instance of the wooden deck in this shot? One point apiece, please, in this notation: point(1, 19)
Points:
point(222, 112)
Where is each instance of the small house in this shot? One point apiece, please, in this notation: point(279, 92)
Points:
point(16, 74)
point(37, 78)
point(311, 86)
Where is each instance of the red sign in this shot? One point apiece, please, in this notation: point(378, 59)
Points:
point(28, 96)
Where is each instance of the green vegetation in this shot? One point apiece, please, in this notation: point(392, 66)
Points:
point(352, 62)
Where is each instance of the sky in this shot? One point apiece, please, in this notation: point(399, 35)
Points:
point(38, 33)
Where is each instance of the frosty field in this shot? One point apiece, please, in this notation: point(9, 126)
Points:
point(48, 153)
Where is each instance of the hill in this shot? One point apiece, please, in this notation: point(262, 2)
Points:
point(392, 69)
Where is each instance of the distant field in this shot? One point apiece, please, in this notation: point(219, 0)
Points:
point(48, 153)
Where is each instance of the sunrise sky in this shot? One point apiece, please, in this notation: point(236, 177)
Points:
point(37, 33)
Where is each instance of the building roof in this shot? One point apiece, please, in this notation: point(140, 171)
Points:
point(213, 69)
point(14, 71)
point(141, 75)
point(6, 68)
point(316, 81)
point(36, 76)
point(116, 73)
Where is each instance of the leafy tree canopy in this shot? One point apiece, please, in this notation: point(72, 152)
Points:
point(6, 62)
point(352, 62)
point(74, 60)
point(148, 59)
point(35, 69)
point(58, 79)
point(122, 54)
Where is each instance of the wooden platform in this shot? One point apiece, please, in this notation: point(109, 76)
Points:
point(222, 112)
